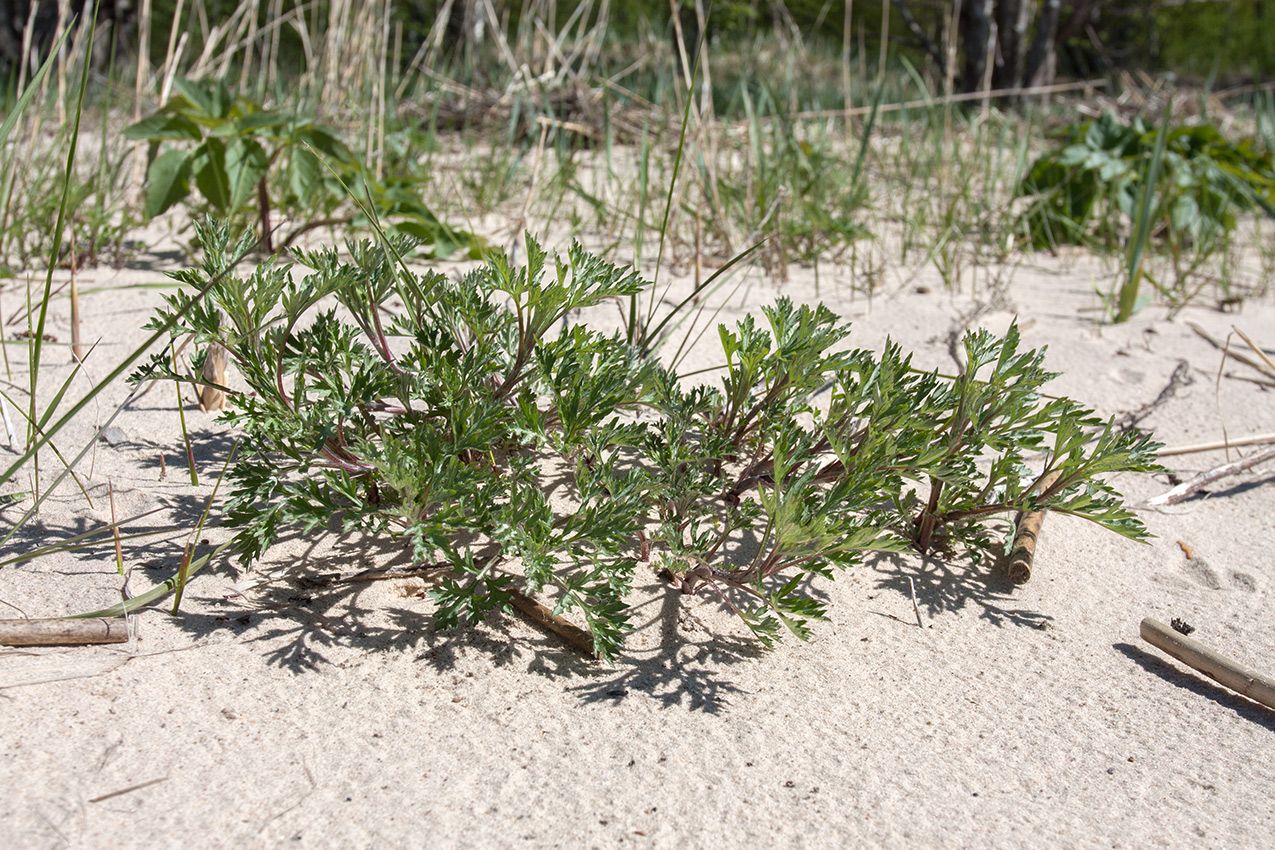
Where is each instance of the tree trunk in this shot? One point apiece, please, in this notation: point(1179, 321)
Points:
point(976, 27)
point(1012, 20)
point(1042, 59)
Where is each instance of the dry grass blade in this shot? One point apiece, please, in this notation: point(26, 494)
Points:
point(1263, 366)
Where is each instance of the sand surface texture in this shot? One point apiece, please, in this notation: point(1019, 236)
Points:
point(279, 714)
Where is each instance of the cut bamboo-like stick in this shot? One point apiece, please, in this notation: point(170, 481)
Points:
point(1217, 667)
point(547, 620)
point(60, 631)
point(1019, 566)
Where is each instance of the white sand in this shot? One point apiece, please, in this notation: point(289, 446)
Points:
point(338, 718)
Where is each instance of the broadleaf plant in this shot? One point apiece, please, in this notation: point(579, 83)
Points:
point(248, 162)
point(512, 449)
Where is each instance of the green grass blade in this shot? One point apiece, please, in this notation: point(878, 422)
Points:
point(1144, 215)
point(56, 250)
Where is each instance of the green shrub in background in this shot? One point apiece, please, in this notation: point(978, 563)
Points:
point(1088, 188)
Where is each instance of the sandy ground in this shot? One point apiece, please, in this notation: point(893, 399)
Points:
point(289, 716)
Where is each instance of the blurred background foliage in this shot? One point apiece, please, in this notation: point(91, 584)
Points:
point(1223, 40)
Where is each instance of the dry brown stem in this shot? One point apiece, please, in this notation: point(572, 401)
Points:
point(1019, 566)
point(60, 631)
point(1217, 667)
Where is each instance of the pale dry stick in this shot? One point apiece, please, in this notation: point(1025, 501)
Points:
point(77, 350)
point(8, 423)
point(233, 48)
point(271, 60)
point(1256, 350)
point(64, 12)
point(250, 45)
point(115, 531)
point(916, 609)
point(166, 86)
point(846, 34)
point(425, 53)
point(885, 41)
point(1034, 91)
point(60, 631)
point(1256, 440)
point(1189, 488)
point(1019, 565)
point(1221, 669)
point(121, 792)
point(1247, 361)
point(170, 54)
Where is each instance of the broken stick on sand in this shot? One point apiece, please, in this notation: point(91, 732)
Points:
point(1019, 565)
point(1217, 667)
point(61, 631)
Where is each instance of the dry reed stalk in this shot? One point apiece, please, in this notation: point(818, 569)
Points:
point(170, 51)
point(250, 45)
point(424, 56)
point(1256, 440)
point(270, 61)
point(885, 41)
point(77, 350)
point(142, 82)
point(64, 14)
point(115, 531)
point(1221, 669)
point(846, 96)
point(58, 631)
point(170, 72)
point(1019, 565)
point(962, 97)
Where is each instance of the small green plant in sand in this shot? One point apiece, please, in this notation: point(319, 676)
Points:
point(249, 162)
point(1088, 188)
point(1179, 189)
point(515, 450)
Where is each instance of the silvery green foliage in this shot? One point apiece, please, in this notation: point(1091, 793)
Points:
point(507, 447)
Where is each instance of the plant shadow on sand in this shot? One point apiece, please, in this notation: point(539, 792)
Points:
point(301, 615)
point(948, 587)
point(178, 515)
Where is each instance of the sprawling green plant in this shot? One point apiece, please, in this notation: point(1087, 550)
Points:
point(508, 445)
point(248, 162)
point(1089, 187)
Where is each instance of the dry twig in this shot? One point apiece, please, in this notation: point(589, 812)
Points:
point(1204, 479)
point(1217, 667)
point(62, 631)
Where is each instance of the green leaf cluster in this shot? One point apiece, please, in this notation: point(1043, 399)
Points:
point(1089, 186)
point(246, 162)
point(511, 448)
